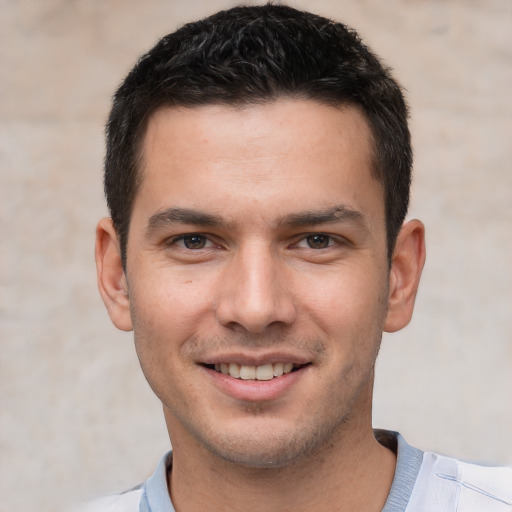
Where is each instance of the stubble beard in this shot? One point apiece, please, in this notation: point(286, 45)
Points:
point(265, 448)
point(276, 450)
point(303, 443)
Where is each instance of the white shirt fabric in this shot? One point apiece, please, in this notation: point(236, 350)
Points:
point(423, 482)
point(448, 485)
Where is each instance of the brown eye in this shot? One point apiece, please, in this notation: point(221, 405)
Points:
point(318, 241)
point(194, 241)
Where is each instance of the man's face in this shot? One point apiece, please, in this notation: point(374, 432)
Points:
point(257, 245)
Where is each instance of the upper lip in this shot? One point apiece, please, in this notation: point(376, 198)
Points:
point(255, 359)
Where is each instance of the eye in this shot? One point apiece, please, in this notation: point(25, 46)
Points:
point(316, 241)
point(193, 241)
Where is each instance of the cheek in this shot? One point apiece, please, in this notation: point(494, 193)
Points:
point(350, 311)
point(167, 312)
point(162, 324)
point(169, 302)
point(348, 298)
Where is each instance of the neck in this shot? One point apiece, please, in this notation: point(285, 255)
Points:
point(354, 472)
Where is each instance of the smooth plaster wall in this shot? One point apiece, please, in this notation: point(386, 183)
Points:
point(77, 417)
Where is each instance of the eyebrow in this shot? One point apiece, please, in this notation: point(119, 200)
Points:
point(176, 215)
point(338, 213)
point(184, 216)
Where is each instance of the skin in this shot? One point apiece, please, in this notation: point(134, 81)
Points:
point(258, 235)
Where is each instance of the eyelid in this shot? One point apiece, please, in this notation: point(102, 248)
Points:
point(334, 240)
point(174, 241)
point(300, 239)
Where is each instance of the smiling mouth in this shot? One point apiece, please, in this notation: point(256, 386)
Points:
point(248, 372)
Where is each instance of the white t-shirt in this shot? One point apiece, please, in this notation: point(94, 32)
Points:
point(423, 482)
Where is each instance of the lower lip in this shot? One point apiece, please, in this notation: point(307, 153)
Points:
point(256, 390)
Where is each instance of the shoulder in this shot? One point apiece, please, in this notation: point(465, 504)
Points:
point(445, 484)
point(151, 495)
point(126, 502)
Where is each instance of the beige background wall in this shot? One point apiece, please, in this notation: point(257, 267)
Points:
point(77, 417)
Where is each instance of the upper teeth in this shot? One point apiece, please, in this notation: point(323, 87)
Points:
point(247, 372)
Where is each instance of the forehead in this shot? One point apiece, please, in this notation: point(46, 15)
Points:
point(279, 153)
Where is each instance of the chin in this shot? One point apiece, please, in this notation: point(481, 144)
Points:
point(275, 453)
point(272, 447)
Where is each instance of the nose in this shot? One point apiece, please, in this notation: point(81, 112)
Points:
point(255, 292)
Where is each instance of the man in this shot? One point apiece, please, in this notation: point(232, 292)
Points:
point(257, 173)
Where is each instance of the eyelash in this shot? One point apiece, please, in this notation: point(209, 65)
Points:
point(208, 243)
point(183, 238)
point(323, 237)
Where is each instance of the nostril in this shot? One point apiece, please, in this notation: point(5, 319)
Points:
point(253, 300)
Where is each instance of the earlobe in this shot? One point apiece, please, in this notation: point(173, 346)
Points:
point(405, 273)
point(111, 277)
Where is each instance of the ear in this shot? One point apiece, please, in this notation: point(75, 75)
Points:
point(111, 278)
point(404, 277)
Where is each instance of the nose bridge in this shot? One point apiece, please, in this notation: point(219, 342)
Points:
point(254, 291)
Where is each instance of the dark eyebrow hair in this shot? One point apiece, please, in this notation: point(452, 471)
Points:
point(339, 213)
point(183, 216)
